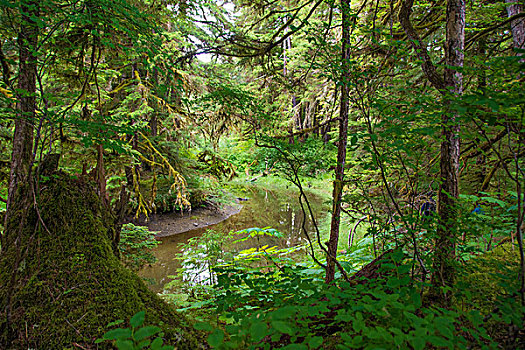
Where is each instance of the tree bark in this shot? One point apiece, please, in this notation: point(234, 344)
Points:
point(517, 26)
point(341, 147)
point(22, 155)
point(445, 243)
point(20, 188)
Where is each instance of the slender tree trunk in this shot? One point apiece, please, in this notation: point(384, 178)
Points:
point(22, 156)
point(341, 147)
point(100, 176)
point(445, 243)
point(20, 189)
point(514, 7)
point(291, 139)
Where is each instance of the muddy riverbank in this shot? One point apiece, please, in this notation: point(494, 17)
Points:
point(176, 223)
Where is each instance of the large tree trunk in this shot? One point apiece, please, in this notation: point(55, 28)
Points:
point(70, 285)
point(341, 147)
point(517, 26)
point(445, 243)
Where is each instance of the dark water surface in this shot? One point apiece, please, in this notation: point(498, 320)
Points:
point(278, 209)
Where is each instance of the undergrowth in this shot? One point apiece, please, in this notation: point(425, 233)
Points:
point(264, 299)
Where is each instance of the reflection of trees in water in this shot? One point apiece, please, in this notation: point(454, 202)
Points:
point(280, 210)
point(275, 208)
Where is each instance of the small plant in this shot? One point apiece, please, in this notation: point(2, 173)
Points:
point(136, 336)
point(136, 243)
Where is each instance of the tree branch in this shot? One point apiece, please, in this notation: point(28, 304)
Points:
point(415, 41)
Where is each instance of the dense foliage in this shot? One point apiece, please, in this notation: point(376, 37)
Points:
point(411, 113)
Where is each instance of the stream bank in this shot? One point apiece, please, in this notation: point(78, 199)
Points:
point(178, 223)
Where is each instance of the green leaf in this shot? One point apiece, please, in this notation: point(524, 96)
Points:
point(124, 344)
point(444, 326)
point(114, 323)
point(146, 332)
point(438, 341)
point(296, 347)
point(203, 326)
point(138, 319)
point(393, 282)
point(284, 312)
point(258, 331)
point(157, 343)
point(119, 333)
point(282, 327)
point(215, 339)
point(315, 342)
point(418, 343)
point(143, 344)
point(494, 200)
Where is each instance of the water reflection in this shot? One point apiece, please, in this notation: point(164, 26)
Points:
point(277, 209)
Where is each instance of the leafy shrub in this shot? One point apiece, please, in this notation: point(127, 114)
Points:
point(136, 336)
point(136, 243)
point(288, 307)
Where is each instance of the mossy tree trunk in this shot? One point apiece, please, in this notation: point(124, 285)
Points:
point(20, 188)
point(70, 284)
point(22, 154)
point(446, 237)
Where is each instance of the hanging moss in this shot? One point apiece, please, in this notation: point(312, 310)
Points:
point(69, 285)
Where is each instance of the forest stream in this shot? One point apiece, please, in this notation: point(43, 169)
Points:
point(275, 208)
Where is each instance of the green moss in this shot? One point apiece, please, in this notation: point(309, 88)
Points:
point(70, 285)
point(490, 276)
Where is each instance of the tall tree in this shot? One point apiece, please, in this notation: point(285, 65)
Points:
point(342, 141)
point(445, 244)
point(22, 155)
point(449, 86)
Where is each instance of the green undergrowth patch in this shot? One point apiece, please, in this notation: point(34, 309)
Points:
point(291, 307)
point(267, 301)
point(489, 285)
point(69, 284)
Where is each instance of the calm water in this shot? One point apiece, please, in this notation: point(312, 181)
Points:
point(278, 209)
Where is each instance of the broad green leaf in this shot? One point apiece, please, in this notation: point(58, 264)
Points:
point(215, 339)
point(114, 323)
point(438, 341)
point(157, 343)
point(203, 326)
point(138, 319)
point(146, 332)
point(315, 342)
point(282, 327)
point(119, 333)
point(124, 345)
point(258, 331)
point(143, 344)
point(418, 343)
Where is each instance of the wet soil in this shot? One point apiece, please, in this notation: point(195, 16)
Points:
point(176, 223)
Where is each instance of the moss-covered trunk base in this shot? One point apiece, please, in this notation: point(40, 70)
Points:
point(68, 284)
